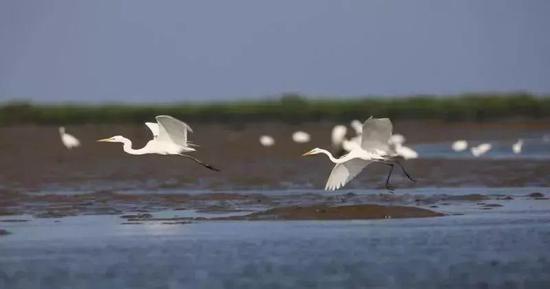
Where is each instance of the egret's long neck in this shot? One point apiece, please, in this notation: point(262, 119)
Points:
point(331, 157)
point(128, 148)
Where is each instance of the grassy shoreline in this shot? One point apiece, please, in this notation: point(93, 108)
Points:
point(290, 108)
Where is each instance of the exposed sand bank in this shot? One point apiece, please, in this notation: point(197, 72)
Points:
point(352, 212)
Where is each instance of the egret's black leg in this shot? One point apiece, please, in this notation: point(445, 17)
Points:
point(201, 163)
point(388, 186)
point(405, 172)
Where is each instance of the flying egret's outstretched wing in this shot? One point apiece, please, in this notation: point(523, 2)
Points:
point(343, 173)
point(172, 130)
point(376, 133)
point(154, 128)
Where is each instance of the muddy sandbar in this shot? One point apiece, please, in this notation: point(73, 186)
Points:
point(350, 212)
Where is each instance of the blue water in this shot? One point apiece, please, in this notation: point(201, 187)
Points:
point(502, 248)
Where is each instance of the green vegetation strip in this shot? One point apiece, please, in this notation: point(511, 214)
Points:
point(290, 108)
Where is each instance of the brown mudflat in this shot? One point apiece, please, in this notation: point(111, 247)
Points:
point(469, 197)
point(351, 212)
point(245, 164)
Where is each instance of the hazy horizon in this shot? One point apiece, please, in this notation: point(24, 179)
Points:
point(203, 51)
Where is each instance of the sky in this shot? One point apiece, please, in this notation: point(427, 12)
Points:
point(206, 50)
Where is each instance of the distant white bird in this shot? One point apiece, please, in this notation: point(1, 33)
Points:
point(374, 148)
point(267, 140)
point(338, 135)
point(68, 140)
point(481, 149)
point(354, 142)
point(517, 147)
point(351, 144)
point(459, 145)
point(169, 138)
point(404, 151)
point(396, 142)
point(357, 126)
point(301, 137)
point(396, 139)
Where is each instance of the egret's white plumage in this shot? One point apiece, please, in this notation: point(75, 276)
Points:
point(459, 145)
point(68, 140)
point(267, 140)
point(169, 138)
point(481, 149)
point(394, 146)
point(154, 127)
point(376, 134)
point(344, 172)
point(301, 137)
point(373, 148)
point(517, 147)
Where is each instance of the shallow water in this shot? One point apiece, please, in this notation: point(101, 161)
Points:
point(533, 149)
point(486, 250)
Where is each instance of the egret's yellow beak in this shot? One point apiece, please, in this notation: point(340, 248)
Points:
point(307, 154)
point(104, 140)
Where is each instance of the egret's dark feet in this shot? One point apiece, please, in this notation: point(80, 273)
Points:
point(211, 168)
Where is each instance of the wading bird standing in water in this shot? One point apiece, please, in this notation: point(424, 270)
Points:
point(517, 147)
point(481, 149)
point(396, 142)
point(459, 145)
point(169, 138)
point(338, 136)
point(301, 137)
point(267, 140)
point(68, 140)
point(374, 148)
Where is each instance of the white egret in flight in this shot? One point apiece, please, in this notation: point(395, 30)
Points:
point(169, 138)
point(267, 140)
point(481, 149)
point(374, 148)
point(68, 140)
point(459, 145)
point(517, 147)
point(301, 137)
